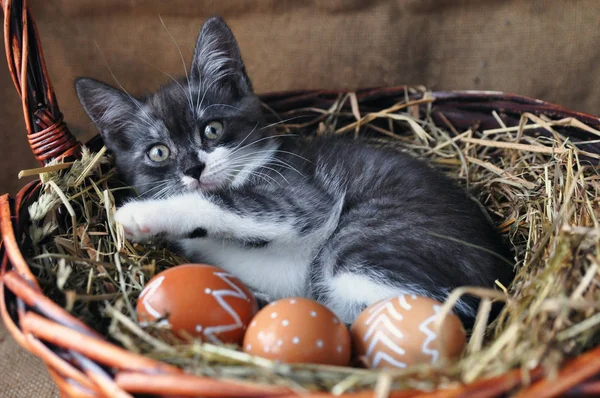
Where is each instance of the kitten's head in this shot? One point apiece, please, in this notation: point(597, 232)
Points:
point(204, 134)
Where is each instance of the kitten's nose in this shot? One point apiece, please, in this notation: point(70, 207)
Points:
point(195, 172)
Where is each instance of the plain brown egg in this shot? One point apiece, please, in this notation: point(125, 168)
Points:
point(198, 300)
point(399, 332)
point(298, 330)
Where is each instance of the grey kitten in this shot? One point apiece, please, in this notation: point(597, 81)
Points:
point(330, 219)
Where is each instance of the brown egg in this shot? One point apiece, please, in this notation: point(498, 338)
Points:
point(399, 332)
point(198, 300)
point(298, 330)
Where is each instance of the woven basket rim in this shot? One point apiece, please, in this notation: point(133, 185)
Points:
point(78, 355)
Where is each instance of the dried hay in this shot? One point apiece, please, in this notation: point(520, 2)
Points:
point(542, 191)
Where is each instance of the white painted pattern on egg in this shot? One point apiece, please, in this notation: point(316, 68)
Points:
point(404, 303)
point(219, 295)
point(381, 324)
point(386, 323)
point(431, 336)
point(381, 337)
point(148, 291)
point(383, 356)
point(384, 333)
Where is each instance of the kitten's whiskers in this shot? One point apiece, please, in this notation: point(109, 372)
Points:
point(155, 182)
point(226, 105)
point(182, 61)
point(245, 138)
point(159, 186)
point(264, 176)
point(244, 160)
point(280, 122)
point(275, 160)
point(237, 149)
point(165, 192)
point(285, 165)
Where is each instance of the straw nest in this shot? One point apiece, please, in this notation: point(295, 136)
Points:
point(541, 190)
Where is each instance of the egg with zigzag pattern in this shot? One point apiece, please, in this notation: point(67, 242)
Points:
point(401, 331)
point(197, 301)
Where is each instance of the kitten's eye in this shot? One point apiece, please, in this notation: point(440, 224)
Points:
point(158, 153)
point(213, 130)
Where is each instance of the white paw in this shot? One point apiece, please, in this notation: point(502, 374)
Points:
point(139, 221)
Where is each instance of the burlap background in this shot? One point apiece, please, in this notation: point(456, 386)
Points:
point(547, 50)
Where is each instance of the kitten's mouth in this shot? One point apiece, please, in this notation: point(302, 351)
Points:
point(201, 184)
point(207, 185)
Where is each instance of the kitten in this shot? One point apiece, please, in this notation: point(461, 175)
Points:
point(330, 219)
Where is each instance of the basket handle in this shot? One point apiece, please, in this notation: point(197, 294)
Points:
point(47, 132)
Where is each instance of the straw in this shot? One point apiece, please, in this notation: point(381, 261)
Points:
point(538, 191)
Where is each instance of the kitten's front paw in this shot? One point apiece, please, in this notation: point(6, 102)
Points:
point(138, 221)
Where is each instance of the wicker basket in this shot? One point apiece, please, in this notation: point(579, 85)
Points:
point(85, 364)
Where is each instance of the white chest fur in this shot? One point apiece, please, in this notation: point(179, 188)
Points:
point(281, 269)
point(278, 269)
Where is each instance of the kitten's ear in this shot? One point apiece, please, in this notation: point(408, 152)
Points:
point(217, 57)
point(108, 107)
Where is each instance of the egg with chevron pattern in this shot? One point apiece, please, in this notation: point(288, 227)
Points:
point(197, 301)
point(401, 331)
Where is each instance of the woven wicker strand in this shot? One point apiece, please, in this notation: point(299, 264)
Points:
point(47, 132)
point(85, 364)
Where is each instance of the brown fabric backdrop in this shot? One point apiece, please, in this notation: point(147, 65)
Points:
point(547, 50)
